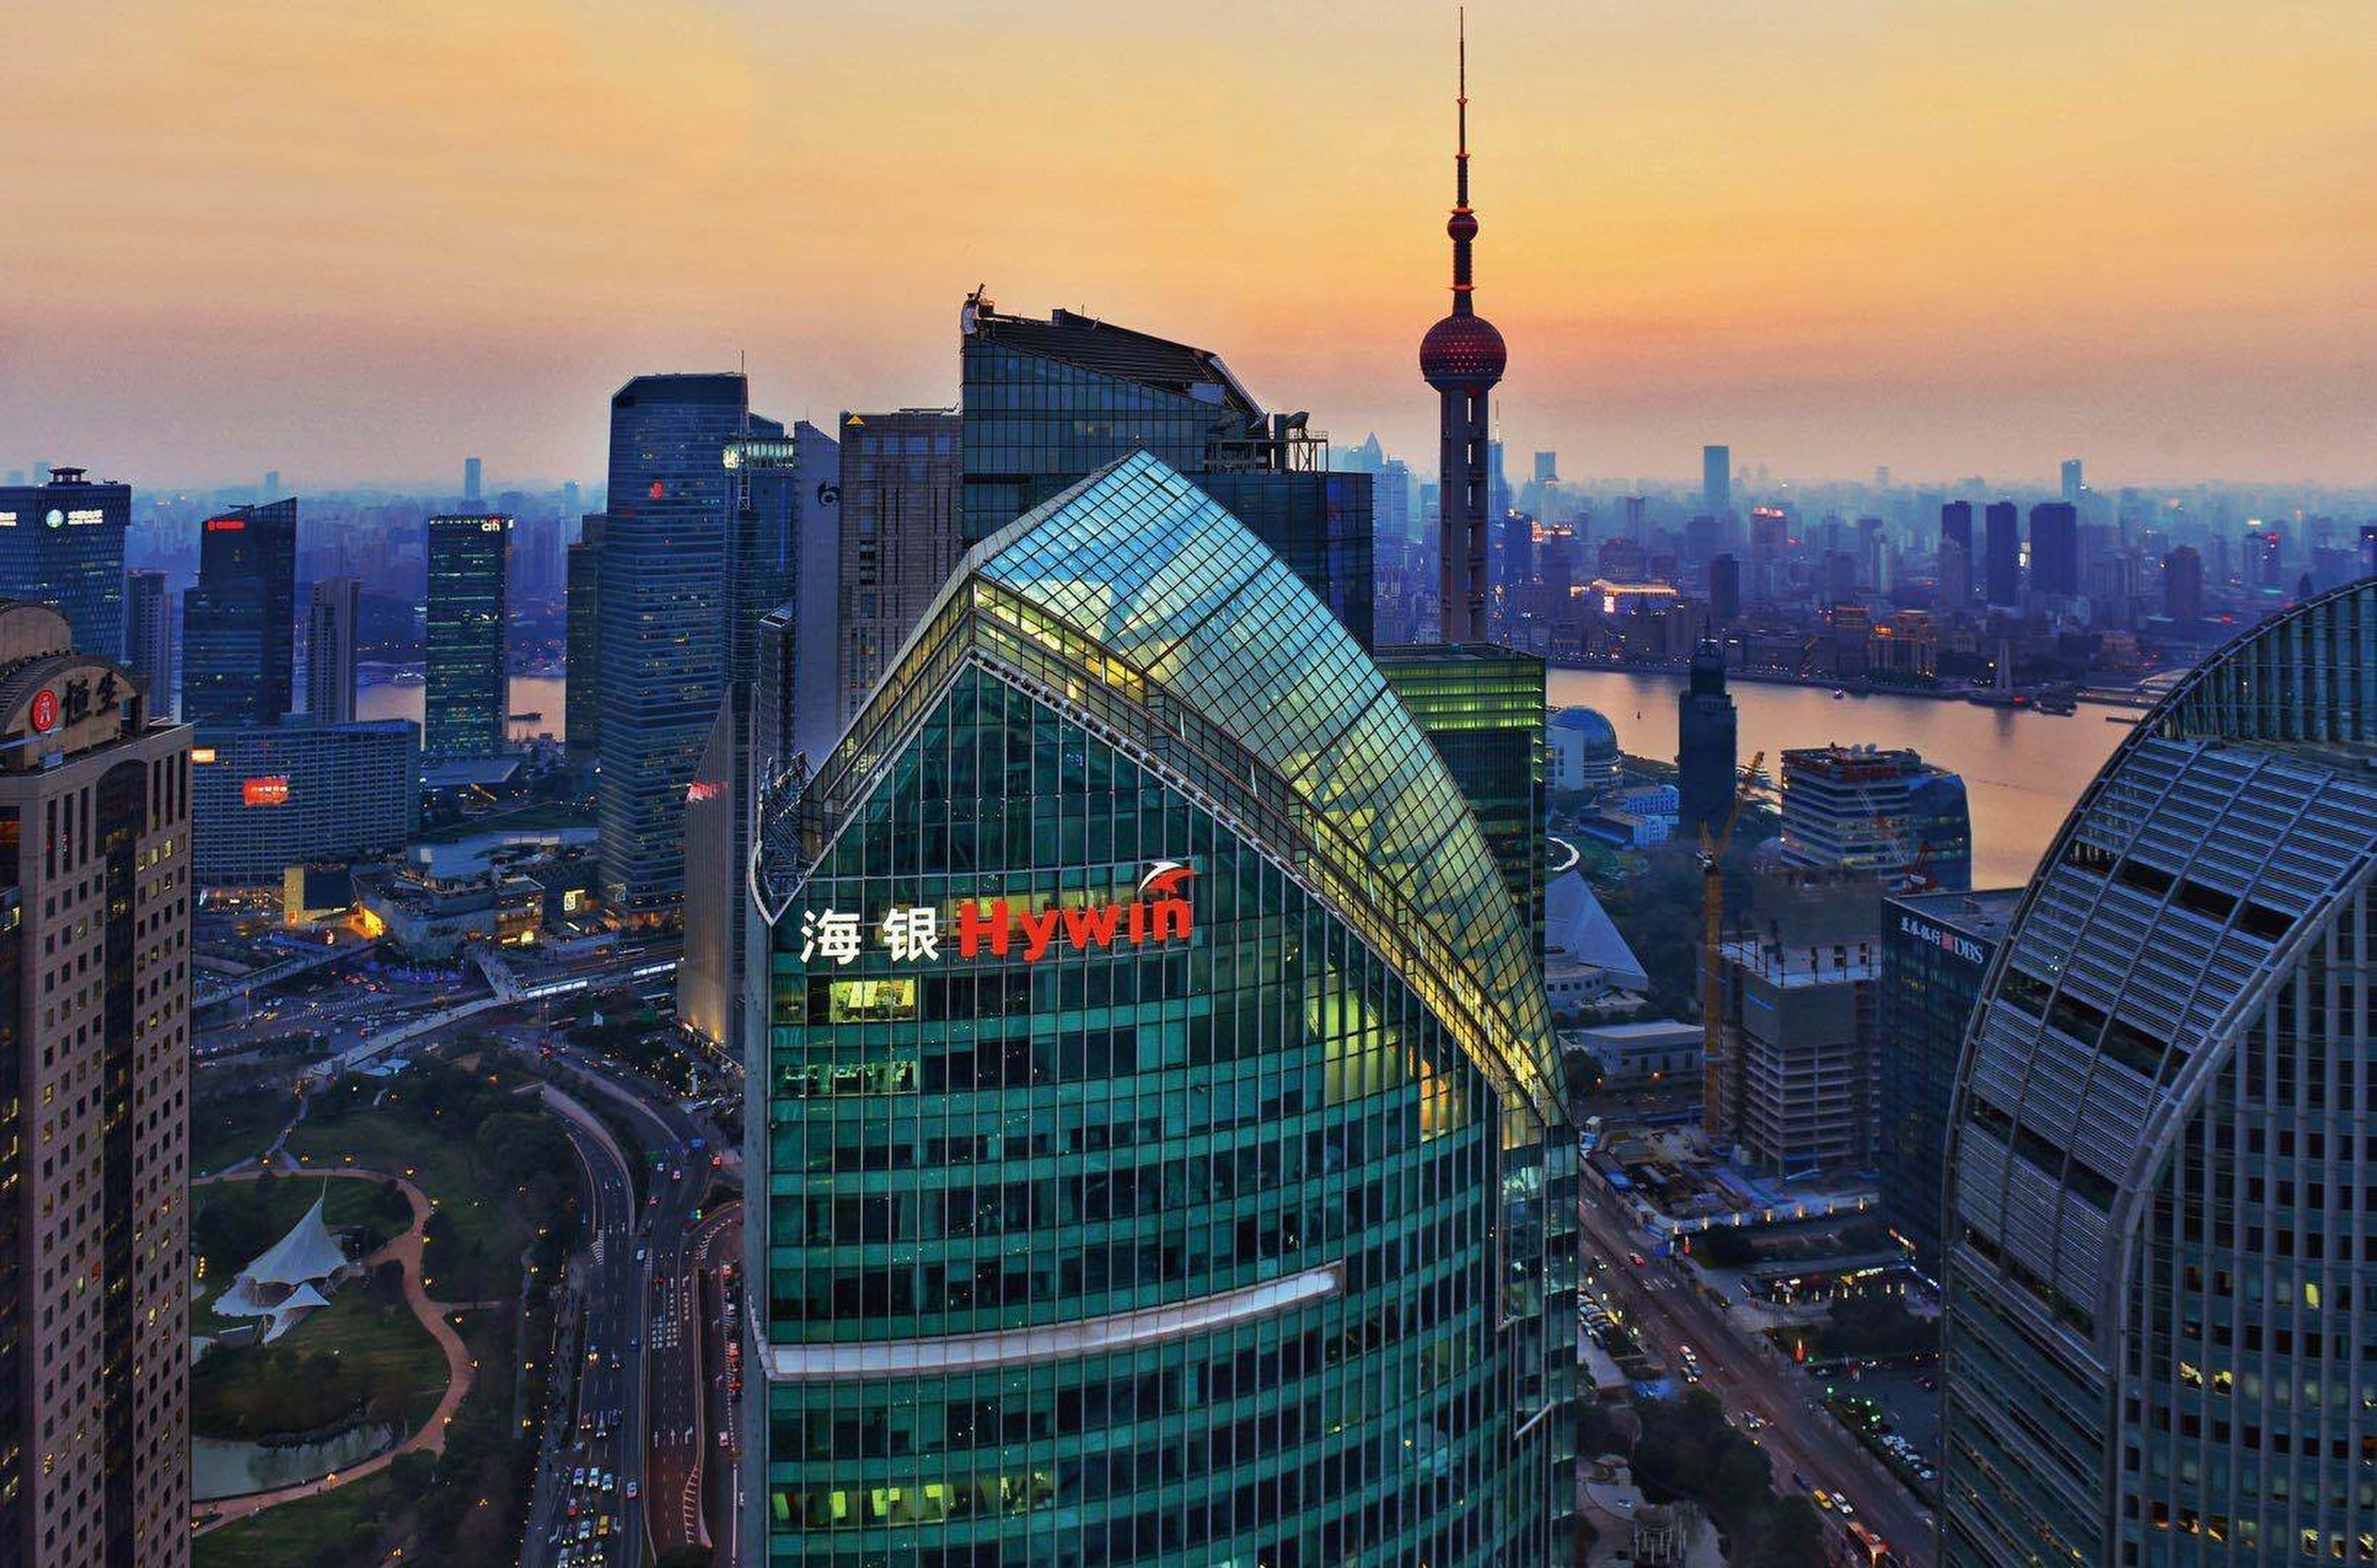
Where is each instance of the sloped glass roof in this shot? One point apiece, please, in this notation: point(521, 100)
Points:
point(1142, 561)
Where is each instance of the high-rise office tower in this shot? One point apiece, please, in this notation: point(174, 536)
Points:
point(1796, 1003)
point(148, 639)
point(782, 554)
point(1716, 480)
point(1888, 814)
point(1462, 356)
point(1955, 575)
point(2160, 1247)
point(1956, 525)
point(470, 480)
point(901, 535)
point(239, 620)
point(2001, 553)
point(2073, 485)
point(1143, 684)
point(1725, 587)
point(272, 481)
point(332, 614)
point(2055, 549)
point(1935, 949)
point(468, 698)
point(661, 620)
point(1044, 402)
point(2182, 584)
point(1547, 467)
point(1706, 740)
point(94, 1117)
point(582, 647)
point(62, 544)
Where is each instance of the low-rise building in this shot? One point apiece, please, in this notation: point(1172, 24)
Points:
point(431, 918)
point(1633, 1054)
point(271, 796)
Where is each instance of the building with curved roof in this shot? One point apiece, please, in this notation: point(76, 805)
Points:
point(1584, 750)
point(2161, 1254)
point(1159, 1085)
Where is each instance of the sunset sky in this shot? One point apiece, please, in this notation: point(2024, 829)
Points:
point(358, 241)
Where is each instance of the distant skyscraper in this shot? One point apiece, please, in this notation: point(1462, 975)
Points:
point(2055, 549)
point(94, 1110)
point(2182, 584)
point(148, 639)
point(470, 480)
point(62, 544)
point(239, 620)
point(2161, 1249)
point(331, 616)
point(1047, 402)
point(2001, 553)
point(467, 700)
point(1716, 480)
point(900, 535)
point(2073, 485)
point(272, 481)
point(1705, 741)
point(1724, 586)
point(1547, 467)
point(582, 693)
point(1462, 356)
point(1956, 525)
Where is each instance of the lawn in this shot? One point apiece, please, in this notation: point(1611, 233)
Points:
point(303, 1534)
point(356, 1355)
point(226, 1128)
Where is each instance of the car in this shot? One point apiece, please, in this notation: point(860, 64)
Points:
point(610, 1482)
point(631, 1489)
point(585, 1529)
point(577, 1477)
point(1842, 1503)
point(1823, 1500)
point(1636, 1259)
point(723, 1439)
point(1754, 1421)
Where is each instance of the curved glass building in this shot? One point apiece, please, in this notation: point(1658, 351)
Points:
point(1155, 1156)
point(2162, 1209)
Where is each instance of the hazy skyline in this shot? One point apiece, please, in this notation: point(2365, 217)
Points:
point(1951, 237)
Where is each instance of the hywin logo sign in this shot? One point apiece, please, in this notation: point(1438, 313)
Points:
point(1159, 913)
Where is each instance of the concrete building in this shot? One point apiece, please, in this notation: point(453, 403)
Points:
point(148, 639)
point(269, 797)
point(1584, 751)
point(333, 612)
point(1797, 999)
point(94, 1122)
point(1637, 1055)
point(1886, 813)
point(901, 535)
point(2162, 1247)
point(1706, 765)
point(582, 648)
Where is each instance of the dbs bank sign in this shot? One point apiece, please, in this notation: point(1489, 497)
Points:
point(1160, 913)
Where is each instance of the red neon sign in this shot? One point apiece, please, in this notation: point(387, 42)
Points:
point(226, 524)
point(44, 713)
point(1161, 913)
point(273, 789)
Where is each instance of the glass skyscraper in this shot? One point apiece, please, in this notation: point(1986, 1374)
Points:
point(1046, 402)
point(468, 698)
point(62, 544)
point(239, 620)
point(662, 597)
point(2163, 1177)
point(1159, 1159)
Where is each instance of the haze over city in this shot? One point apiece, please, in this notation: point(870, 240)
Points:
point(350, 245)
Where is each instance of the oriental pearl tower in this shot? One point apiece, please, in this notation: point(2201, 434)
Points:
point(1462, 358)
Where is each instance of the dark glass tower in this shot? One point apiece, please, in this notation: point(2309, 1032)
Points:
point(663, 595)
point(2001, 553)
point(582, 624)
point(2055, 548)
point(468, 696)
point(1046, 402)
point(239, 620)
point(1161, 1159)
point(1705, 745)
point(1463, 357)
point(62, 544)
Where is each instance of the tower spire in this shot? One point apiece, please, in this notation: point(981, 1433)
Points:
point(1464, 224)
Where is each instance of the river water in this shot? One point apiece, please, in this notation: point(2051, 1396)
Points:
point(2021, 770)
point(220, 1468)
point(530, 693)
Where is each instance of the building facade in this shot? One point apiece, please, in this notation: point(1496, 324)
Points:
point(901, 535)
point(94, 1123)
point(1161, 1160)
point(1888, 814)
point(582, 725)
point(271, 796)
point(1935, 948)
point(468, 699)
point(62, 544)
point(1584, 751)
point(2161, 1254)
point(2001, 553)
point(661, 619)
point(239, 619)
point(333, 609)
point(1796, 991)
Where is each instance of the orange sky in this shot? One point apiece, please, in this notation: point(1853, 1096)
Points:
point(355, 240)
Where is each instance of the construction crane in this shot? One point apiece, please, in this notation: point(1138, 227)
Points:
point(1711, 858)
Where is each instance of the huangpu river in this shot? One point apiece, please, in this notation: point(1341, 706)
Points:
point(539, 694)
point(2021, 770)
